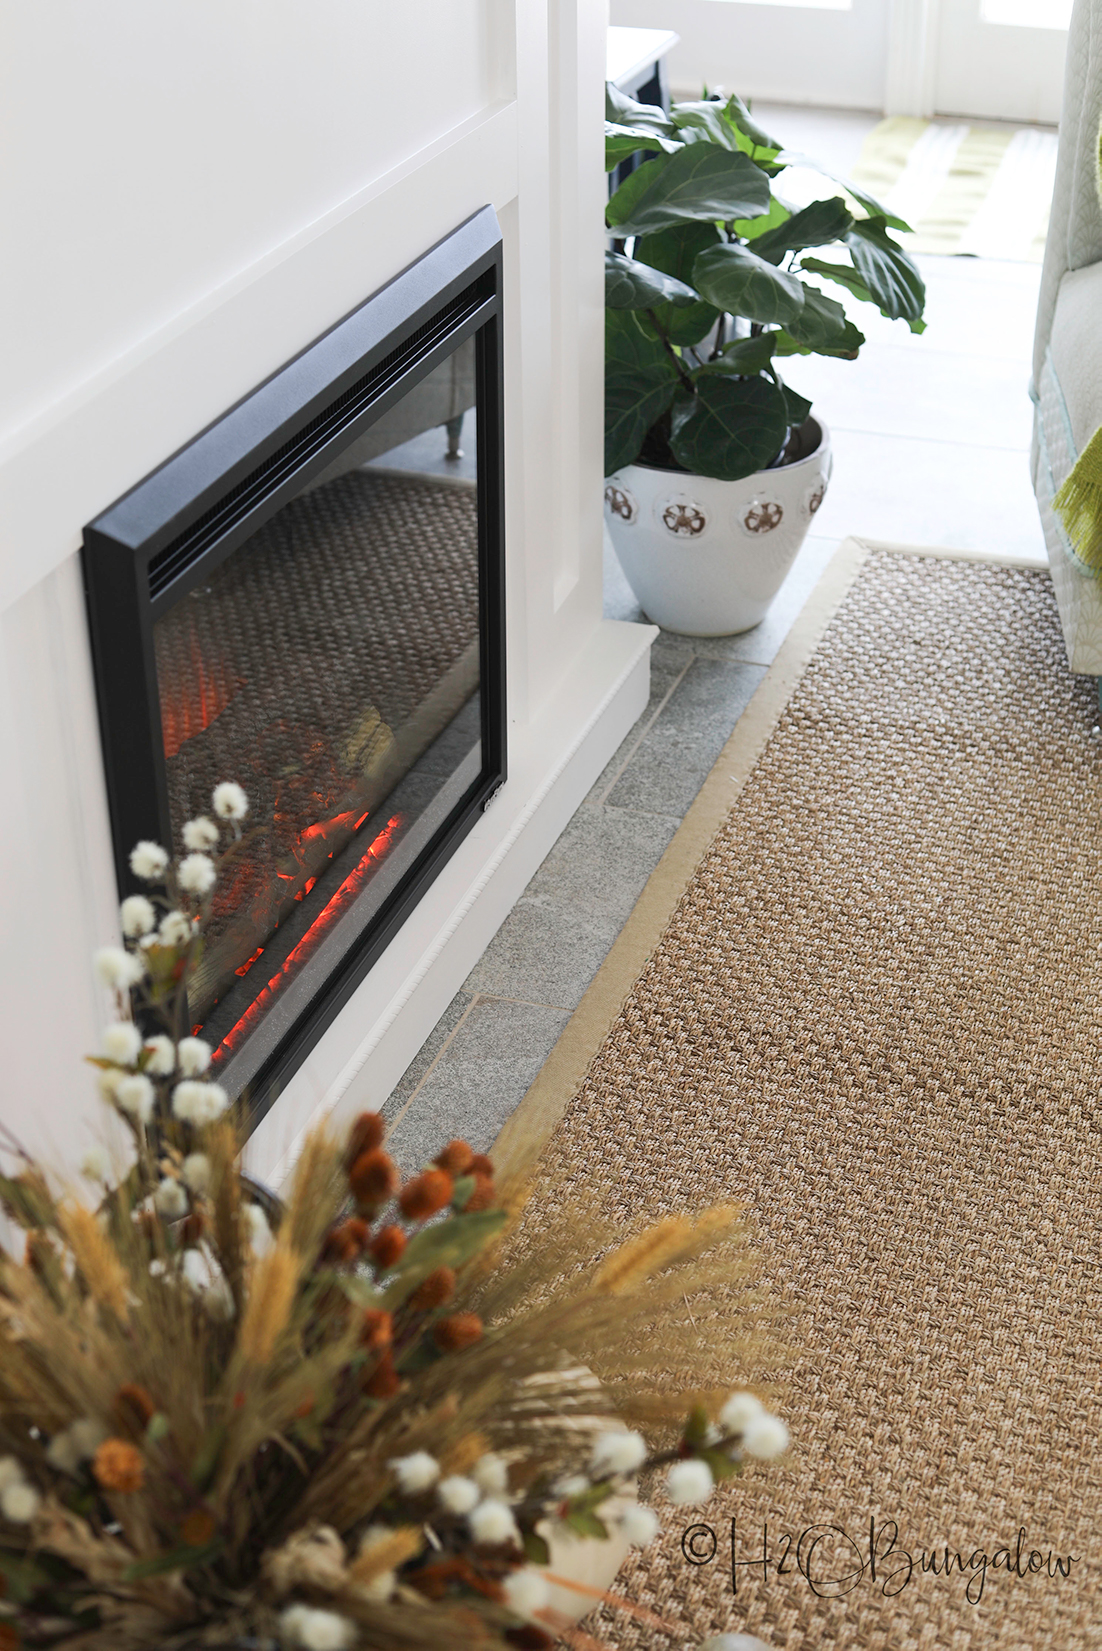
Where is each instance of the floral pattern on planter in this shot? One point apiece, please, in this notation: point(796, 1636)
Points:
point(682, 517)
point(694, 565)
point(621, 503)
point(815, 498)
point(762, 516)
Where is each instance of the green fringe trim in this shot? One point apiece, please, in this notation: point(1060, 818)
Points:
point(1079, 504)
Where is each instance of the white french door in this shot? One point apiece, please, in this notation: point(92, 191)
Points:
point(1001, 59)
point(830, 53)
point(987, 59)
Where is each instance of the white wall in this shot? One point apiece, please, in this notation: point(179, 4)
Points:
point(196, 189)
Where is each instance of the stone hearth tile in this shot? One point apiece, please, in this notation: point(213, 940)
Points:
point(674, 759)
point(670, 655)
point(481, 1078)
point(559, 932)
point(427, 1053)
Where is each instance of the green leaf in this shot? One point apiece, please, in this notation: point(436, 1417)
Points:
point(687, 326)
point(749, 229)
point(746, 356)
point(730, 427)
point(461, 1192)
point(721, 1465)
point(592, 1498)
point(704, 123)
point(584, 1523)
point(175, 1559)
point(791, 157)
point(738, 115)
point(156, 1428)
point(816, 226)
point(733, 278)
point(622, 110)
point(633, 188)
point(640, 380)
point(206, 1458)
point(23, 1578)
point(536, 1550)
point(844, 348)
point(896, 286)
point(700, 181)
point(798, 406)
point(696, 1427)
point(674, 250)
point(26, 1197)
point(448, 1243)
point(844, 274)
point(822, 320)
point(634, 285)
point(891, 279)
point(624, 141)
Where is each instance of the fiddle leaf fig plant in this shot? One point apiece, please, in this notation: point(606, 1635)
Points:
point(705, 288)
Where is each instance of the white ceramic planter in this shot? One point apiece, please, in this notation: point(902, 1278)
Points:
point(706, 557)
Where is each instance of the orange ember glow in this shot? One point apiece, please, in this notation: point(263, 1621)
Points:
point(249, 961)
point(191, 702)
point(327, 918)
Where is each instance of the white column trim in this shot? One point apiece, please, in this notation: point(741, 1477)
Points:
point(912, 57)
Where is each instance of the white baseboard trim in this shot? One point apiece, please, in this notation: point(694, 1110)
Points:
point(553, 763)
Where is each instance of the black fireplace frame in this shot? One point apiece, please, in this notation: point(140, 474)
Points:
point(175, 527)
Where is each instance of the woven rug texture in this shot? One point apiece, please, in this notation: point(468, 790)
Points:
point(875, 1021)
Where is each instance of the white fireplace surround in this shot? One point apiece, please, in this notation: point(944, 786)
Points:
point(198, 190)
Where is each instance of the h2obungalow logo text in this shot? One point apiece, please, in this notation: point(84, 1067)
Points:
point(832, 1562)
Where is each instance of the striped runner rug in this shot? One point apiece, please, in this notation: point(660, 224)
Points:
point(973, 191)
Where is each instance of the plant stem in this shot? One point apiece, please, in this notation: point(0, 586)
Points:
point(672, 353)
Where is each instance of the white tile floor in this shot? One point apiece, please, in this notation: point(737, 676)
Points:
point(931, 439)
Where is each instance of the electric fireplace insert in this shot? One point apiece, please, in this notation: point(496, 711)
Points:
point(309, 599)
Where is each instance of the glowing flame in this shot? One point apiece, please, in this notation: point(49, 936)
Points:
point(330, 914)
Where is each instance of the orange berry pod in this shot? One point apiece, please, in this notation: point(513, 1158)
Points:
point(374, 1177)
point(198, 1528)
point(134, 1405)
point(377, 1328)
point(433, 1291)
point(346, 1242)
point(426, 1194)
point(387, 1247)
point(483, 1196)
point(457, 1331)
point(118, 1466)
point(456, 1158)
point(383, 1381)
point(481, 1165)
point(366, 1134)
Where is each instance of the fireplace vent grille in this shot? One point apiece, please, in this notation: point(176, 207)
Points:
point(177, 556)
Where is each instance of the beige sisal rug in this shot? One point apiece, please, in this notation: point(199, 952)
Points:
point(862, 994)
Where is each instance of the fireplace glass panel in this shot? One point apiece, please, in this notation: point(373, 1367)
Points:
point(331, 665)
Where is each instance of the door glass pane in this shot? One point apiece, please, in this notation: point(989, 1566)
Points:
point(805, 5)
point(1028, 14)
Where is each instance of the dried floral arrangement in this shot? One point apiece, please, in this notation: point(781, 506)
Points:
point(370, 1417)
